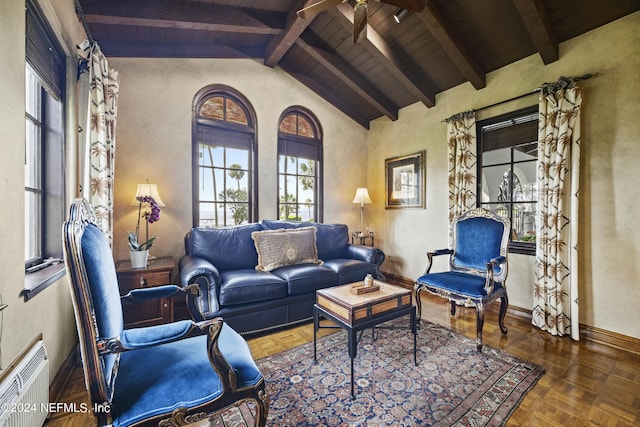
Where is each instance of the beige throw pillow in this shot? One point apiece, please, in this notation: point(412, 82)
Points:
point(277, 248)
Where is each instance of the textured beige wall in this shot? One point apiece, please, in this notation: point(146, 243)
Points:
point(50, 312)
point(609, 229)
point(154, 141)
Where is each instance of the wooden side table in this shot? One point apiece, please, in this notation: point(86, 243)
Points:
point(146, 313)
point(362, 238)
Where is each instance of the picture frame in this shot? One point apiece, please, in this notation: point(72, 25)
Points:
point(405, 181)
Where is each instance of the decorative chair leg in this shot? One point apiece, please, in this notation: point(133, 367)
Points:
point(418, 304)
point(453, 307)
point(262, 409)
point(479, 324)
point(504, 303)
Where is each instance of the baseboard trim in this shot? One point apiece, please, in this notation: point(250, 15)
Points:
point(611, 339)
point(589, 333)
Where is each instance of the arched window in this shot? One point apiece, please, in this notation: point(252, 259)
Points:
point(224, 158)
point(299, 166)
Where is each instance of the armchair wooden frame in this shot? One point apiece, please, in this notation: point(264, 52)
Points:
point(476, 276)
point(101, 354)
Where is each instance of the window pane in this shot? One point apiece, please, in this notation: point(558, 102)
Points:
point(207, 214)
point(523, 222)
point(493, 184)
point(32, 226)
point(306, 212)
point(213, 108)
point(305, 128)
point(290, 187)
point(211, 156)
point(288, 124)
point(306, 166)
point(32, 93)
point(32, 155)
point(524, 152)
point(235, 113)
point(526, 174)
point(496, 157)
point(237, 157)
point(305, 188)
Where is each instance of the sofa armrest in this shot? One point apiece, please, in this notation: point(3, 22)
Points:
point(368, 254)
point(198, 271)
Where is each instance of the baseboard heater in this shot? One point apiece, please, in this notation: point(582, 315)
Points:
point(24, 390)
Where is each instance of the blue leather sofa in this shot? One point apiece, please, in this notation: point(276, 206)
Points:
point(222, 262)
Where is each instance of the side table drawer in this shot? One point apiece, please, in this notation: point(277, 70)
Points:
point(129, 281)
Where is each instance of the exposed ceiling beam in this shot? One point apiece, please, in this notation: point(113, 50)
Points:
point(176, 50)
point(165, 14)
point(538, 24)
point(408, 74)
point(351, 77)
point(432, 19)
point(331, 98)
point(281, 44)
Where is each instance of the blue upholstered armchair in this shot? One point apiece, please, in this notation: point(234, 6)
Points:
point(477, 267)
point(166, 375)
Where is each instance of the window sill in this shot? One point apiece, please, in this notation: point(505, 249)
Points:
point(38, 281)
point(522, 248)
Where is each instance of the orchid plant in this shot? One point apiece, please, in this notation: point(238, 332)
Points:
point(150, 216)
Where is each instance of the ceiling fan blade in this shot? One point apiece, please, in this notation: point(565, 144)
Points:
point(412, 5)
point(314, 9)
point(360, 15)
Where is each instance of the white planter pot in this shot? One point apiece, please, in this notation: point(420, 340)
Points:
point(139, 258)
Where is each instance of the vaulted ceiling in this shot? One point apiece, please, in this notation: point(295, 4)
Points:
point(448, 43)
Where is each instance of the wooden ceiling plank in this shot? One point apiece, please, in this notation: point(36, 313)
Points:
point(444, 35)
point(176, 50)
point(281, 44)
point(341, 70)
point(538, 25)
point(416, 82)
point(164, 14)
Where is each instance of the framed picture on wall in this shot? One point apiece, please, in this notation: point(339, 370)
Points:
point(405, 181)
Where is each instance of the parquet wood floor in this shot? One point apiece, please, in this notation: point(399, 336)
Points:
point(585, 384)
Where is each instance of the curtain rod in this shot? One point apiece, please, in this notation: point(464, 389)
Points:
point(83, 21)
point(536, 90)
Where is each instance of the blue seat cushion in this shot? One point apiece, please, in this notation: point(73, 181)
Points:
point(304, 278)
point(463, 284)
point(157, 380)
point(250, 285)
point(350, 270)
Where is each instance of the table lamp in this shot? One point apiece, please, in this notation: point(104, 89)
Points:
point(362, 197)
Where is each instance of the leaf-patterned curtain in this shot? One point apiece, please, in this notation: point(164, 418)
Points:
point(555, 307)
point(461, 138)
point(97, 155)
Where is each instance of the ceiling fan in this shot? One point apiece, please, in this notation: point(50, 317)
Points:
point(360, 12)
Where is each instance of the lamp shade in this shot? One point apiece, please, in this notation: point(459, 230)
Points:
point(362, 196)
point(148, 190)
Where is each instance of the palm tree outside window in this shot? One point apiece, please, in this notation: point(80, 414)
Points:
point(299, 166)
point(224, 158)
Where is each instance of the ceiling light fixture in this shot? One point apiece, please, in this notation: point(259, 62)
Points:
point(400, 15)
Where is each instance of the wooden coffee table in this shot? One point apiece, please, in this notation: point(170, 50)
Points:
point(364, 311)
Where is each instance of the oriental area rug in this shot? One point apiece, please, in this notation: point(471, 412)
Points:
point(453, 384)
